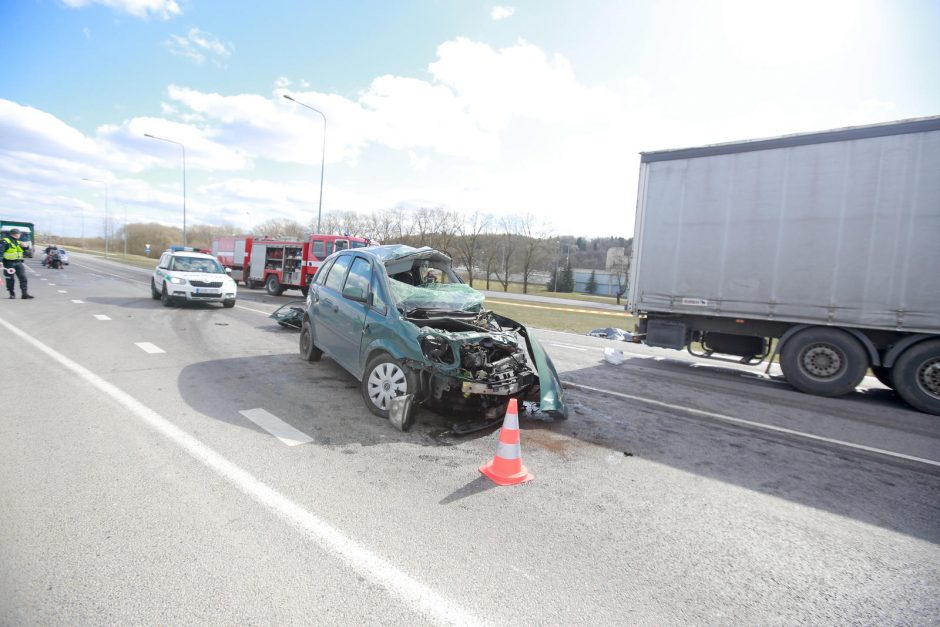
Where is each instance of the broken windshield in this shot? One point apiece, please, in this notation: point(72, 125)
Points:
point(446, 296)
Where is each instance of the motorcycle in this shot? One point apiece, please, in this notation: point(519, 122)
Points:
point(53, 260)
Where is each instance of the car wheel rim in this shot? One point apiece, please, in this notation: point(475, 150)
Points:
point(386, 381)
point(928, 377)
point(822, 361)
point(304, 341)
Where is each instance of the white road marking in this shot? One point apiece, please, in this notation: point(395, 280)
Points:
point(576, 348)
point(382, 572)
point(52, 284)
point(62, 291)
point(147, 347)
point(266, 313)
point(757, 425)
point(276, 427)
point(101, 317)
point(79, 302)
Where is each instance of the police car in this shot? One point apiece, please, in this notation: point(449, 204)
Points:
point(189, 276)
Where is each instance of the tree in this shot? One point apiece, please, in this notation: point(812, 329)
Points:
point(506, 250)
point(591, 287)
point(620, 268)
point(282, 229)
point(468, 241)
point(566, 280)
point(532, 246)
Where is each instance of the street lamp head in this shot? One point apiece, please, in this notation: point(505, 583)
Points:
point(289, 97)
point(149, 135)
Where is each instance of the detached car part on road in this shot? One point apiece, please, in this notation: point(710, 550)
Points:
point(183, 276)
point(403, 323)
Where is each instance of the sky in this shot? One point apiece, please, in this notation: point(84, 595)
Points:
point(534, 107)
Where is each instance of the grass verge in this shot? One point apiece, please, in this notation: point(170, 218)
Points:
point(559, 318)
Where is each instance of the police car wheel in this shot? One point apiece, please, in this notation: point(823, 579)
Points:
point(165, 298)
point(154, 293)
point(228, 304)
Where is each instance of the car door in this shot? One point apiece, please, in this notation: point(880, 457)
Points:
point(352, 313)
point(326, 320)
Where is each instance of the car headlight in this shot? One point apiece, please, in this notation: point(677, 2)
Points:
point(177, 281)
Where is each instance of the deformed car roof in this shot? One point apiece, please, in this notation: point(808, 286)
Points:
point(395, 252)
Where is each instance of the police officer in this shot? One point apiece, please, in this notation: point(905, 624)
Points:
point(13, 260)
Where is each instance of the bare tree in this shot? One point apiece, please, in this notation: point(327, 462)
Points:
point(509, 233)
point(282, 229)
point(468, 242)
point(532, 245)
point(620, 268)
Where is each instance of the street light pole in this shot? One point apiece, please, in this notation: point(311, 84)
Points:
point(105, 212)
point(184, 176)
point(322, 155)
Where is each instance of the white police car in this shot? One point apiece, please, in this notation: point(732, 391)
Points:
point(188, 276)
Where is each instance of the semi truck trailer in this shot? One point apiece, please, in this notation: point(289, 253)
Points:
point(822, 249)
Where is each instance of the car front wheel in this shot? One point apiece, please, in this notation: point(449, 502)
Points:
point(165, 298)
point(154, 292)
point(308, 350)
point(384, 379)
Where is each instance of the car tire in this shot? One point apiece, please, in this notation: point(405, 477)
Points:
point(165, 298)
point(383, 379)
point(308, 350)
point(916, 376)
point(154, 292)
point(228, 304)
point(824, 361)
point(273, 286)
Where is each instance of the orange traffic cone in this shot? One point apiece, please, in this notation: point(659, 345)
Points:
point(506, 467)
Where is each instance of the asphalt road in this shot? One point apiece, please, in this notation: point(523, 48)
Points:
point(134, 489)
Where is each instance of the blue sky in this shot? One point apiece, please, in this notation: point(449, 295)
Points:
point(533, 107)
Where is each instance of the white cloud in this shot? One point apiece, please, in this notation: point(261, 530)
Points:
point(197, 46)
point(164, 9)
point(282, 82)
point(501, 13)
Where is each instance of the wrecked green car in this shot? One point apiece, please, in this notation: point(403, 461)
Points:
point(404, 324)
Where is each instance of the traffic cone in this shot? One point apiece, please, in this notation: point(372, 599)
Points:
point(506, 467)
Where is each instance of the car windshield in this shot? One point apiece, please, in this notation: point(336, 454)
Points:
point(195, 264)
point(431, 284)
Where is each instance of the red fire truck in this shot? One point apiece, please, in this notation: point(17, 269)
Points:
point(279, 265)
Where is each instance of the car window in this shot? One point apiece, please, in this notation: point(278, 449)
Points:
point(357, 282)
point(320, 279)
point(378, 298)
point(195, 264)
point(341, 244)
point(334, 280)
point(163, 261)
point(319, 249)
point(359, 244)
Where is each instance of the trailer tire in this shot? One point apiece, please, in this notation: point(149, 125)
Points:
point(154, 292)
point(917, 376)
point(885, 375)
point(383, 378)
point(308, 350)
point(273, 286)
point(824, 361)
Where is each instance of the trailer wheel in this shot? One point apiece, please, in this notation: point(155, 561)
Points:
point(308, 351)
point(917, 376)
point(885, 375)
point(823, 361)
point(384, 378)
point(273, 286)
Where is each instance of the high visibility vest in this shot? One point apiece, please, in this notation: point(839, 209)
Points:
point(14, 251)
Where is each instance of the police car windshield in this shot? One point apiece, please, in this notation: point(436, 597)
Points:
point(195, 264)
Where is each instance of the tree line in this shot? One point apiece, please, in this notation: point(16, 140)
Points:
point(489, 250)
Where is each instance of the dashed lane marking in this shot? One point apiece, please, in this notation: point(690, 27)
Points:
point(756, 425)
point(574, 348)
point(52, 285)
point(147, 347)
point(78, 302)
point(417, 595)
point(101, 317)
point(62, 291)
point(276, 427)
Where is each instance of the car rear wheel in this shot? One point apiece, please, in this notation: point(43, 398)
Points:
point(823, 361)
point(154, 292)
point(308, 350)
point(384, 379)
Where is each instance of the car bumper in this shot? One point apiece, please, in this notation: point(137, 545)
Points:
point(203, 296)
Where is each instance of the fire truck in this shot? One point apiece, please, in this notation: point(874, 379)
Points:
point(279, 265)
